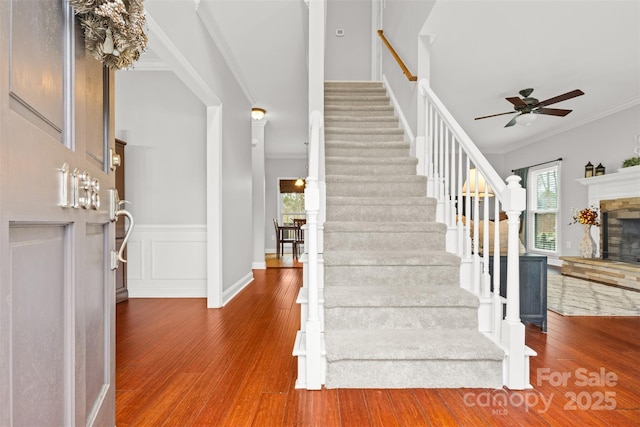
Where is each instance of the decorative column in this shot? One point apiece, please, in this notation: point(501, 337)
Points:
point(258, 198)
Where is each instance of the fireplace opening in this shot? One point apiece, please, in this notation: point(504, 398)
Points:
point(621, 235)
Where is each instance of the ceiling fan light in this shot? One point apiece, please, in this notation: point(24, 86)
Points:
point(526, 119)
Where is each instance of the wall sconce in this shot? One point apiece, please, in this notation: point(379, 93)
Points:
point(588, 170)
point(258, 113)
point(474, 179)
point(599, 169)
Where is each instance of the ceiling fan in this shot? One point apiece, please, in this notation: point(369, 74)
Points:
point(527, 106)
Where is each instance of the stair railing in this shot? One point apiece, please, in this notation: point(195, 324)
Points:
point(400, 62)
point(309, 346)
point(451, 161)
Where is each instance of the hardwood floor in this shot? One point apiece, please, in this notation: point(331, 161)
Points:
point(285, 261)
point(181, 364)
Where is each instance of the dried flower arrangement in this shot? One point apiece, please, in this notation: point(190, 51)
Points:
point(587, 216)
point(114, 30)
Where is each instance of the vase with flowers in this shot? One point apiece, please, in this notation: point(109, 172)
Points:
point(588, 217)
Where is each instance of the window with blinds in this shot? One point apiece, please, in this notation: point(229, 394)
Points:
point(543, 203)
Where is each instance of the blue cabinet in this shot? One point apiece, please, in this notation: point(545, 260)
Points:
point(533, 287)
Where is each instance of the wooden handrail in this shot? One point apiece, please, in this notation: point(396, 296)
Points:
point(404, 68)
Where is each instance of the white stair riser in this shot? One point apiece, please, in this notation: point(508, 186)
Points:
point(414, 374)
point(380, 241)
point(391, 275)
point(339, 318)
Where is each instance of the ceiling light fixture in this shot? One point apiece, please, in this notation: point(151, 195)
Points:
point(258, 113)
point(299, 182)
point(525, 119)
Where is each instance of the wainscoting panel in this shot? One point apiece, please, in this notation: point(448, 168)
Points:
point(167, 261)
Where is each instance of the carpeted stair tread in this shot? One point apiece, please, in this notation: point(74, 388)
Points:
point(359, 119)
point(359, 110)
point(359, 131)
point(386, 258)
point(339, 160)
point(381, 201)
point(333, 84)
point(366, 145)
point(383, 227)
point(353, 179)
point(356, 99)
point(410, 344)
point(399, 296)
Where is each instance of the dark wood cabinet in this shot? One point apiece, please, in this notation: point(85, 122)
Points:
point(121, 272)
point(533, 287)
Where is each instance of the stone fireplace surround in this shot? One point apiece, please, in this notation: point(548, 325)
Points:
point(620, 230)
point(619, 190)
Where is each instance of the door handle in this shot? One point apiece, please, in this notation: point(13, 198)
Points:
point(115, 212)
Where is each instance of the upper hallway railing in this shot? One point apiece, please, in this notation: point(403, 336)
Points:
point(404, 68)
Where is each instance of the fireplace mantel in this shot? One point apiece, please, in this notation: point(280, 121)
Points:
point(619, 185)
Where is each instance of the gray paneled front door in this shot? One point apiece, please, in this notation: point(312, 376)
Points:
point(56, 286)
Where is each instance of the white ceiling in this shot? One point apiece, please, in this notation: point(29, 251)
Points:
point(269, 42)
point(483, 52)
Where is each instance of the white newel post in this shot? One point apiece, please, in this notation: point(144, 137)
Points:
point(517, 375)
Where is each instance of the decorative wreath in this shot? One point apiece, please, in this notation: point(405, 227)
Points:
point(114, 30)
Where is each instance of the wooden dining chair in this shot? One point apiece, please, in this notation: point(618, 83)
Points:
point(299, 236)
point(284, 235)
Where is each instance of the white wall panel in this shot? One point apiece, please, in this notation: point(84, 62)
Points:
point(172, 259)
point(167, 261)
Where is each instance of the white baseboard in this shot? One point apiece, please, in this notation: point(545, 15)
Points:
point(228, 294)
point(259, 266)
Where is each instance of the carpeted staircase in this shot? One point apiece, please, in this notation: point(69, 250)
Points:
point(395, 315)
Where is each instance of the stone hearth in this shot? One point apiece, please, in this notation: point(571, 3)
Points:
point(614, 273)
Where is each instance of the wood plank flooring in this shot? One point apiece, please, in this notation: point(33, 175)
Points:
point(181, 364)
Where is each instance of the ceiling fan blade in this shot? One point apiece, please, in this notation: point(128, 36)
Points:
point(513, 121)
point(518, 102)
point(560, 98)
point(552, 111)
point(493, 115)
